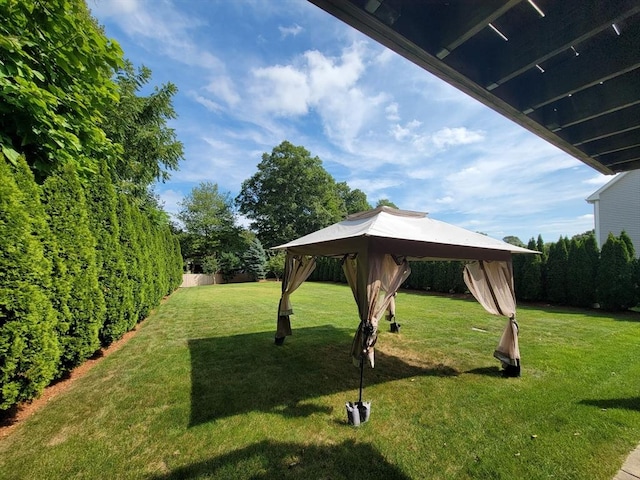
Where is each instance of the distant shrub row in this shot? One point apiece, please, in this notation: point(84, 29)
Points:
point(79, 267)
point(569, 272)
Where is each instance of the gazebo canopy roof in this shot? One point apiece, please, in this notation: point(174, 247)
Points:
point(402, 233)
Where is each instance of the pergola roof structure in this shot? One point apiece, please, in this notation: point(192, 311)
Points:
point(568, 70)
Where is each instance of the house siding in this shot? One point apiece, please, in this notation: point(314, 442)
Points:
point(618, 208)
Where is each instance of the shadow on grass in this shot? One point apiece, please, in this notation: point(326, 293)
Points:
point(270, 459)
point(488, 371)
point(624, 403)
point(244, 373)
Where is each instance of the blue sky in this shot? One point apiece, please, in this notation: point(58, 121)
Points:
point(253, 73)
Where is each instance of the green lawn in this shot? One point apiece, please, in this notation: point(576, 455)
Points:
point(201, 392)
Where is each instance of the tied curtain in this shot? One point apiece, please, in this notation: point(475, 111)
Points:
point(374, 279)
point(491, 283)
point(297, 269)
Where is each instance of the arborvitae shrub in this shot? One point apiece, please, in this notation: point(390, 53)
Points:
point(177, 266)
point(557, 264)
point(112, 269)
point(531, 275)
point(144, 249)
point(578, 271)
point(615, 280)
point(66, 205)
point(130, 252)
point(29, 349)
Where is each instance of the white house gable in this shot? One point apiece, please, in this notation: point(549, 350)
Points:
point(617, 208)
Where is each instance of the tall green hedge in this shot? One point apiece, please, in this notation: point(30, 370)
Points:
point(29, 347)
point(616, 275)
point(112, 269)
point(68, 269)
point(69, 223)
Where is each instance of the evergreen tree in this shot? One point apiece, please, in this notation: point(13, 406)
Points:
point(69, 223)
point(624, 237)
point(177, 266)
point(615, 280)
point(255, 260)
point(131, 253)
point(55, 283)
point(29, 349)
point(112, 269)
point(580, 286)
point(542, 248)
point(557, 264)
point(531, 275)
point(143, 255)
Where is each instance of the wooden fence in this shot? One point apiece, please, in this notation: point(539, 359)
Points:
point(197, 279)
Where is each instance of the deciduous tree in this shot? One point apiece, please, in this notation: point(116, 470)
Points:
point(290, 195)
point(56, 82)
point(209, 221)
point(139, 124)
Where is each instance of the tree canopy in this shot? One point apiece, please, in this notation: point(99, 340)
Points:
point(56, 82)
point(354, 200)
point(139, 125)
point(290, 195)
point(385, 202)
point(209, 221)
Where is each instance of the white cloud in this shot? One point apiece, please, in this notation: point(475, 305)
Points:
point(293, 30)
point(171, 200)
point(599, 180)
point(160, 27)
point(448, 137)
point(223, 87)
point(281, 90)
point(205, 102)
point(392, 112)
point(421, 173)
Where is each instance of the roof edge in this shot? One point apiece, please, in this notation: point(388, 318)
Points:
point(596, 195)
point(385, 209)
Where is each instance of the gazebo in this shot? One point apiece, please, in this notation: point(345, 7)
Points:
point(375, 247)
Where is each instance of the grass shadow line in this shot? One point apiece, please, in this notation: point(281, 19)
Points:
point(270, 459)
point(487, 371)
point(632, 403)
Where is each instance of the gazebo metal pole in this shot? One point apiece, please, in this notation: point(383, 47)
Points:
point(361, 377)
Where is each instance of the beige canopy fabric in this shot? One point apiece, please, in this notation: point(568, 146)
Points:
point(402, 233)
point(297, 270)
point(491, 283)
point(369, 240)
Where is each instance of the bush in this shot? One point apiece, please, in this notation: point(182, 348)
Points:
point(112, 269)
point(557, 265)
point(29, 349)
point(615, 281)
point(69, 223)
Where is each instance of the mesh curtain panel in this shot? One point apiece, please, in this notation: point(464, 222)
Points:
point(297, 269)
point(491, 283)
point(384, 277)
